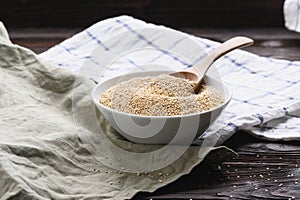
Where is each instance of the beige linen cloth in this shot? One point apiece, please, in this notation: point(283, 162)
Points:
point(41, 155)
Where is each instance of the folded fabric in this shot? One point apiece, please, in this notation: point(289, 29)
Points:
point(266, 91)
point(41, 152)
point(291, 10)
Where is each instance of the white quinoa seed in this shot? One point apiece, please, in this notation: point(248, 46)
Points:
point(162, 95)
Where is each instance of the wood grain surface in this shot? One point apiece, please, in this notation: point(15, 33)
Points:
point(263, 170)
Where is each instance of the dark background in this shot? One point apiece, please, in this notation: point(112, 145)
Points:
point(173, 13)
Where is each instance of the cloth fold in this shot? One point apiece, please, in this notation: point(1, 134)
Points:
point(41, 153)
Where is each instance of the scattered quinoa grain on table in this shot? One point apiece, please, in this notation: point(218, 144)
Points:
point(162, 95)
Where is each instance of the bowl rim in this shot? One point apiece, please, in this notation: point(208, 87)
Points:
point(96, 102)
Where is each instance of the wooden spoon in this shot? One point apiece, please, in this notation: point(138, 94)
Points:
point(197, 72)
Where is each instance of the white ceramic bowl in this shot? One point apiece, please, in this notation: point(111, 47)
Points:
point(181, 129)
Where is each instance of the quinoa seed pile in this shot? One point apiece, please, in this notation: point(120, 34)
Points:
point(162, 95)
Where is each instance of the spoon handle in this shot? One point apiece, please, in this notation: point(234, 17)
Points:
point(229, 45)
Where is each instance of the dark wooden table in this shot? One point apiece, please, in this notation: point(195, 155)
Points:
point(263, 169)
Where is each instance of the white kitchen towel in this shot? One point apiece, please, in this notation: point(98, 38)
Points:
point(266, 91)
point(291, 10)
